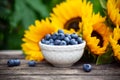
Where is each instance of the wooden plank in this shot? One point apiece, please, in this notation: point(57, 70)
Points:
point(11, 52)
point(58, 77)
point(52, 71)
point(44, 64)
point(21, 56)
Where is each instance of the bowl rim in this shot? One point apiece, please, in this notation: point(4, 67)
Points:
point(82, 45)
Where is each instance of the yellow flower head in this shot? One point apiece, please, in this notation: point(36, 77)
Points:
point(33, 36)
point(115, 42)
point(96, 34)
point(69, 14)
point(113, 7)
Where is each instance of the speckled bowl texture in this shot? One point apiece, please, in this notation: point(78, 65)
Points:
point(62, 56)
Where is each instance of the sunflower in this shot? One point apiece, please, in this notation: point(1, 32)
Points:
point(115, 42)
point(69, 14)
point(113, 7)
point(96, 33)
point(33, 36)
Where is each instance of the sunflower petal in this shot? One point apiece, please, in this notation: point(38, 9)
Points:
point(33, 36)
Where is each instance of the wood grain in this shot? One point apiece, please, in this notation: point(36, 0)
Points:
point(45, 71)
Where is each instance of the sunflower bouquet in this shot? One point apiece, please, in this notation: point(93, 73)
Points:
point(101, 32)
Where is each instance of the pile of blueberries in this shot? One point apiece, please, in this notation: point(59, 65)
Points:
point(60, 38)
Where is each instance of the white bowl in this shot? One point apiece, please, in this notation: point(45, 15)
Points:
point(62, 56)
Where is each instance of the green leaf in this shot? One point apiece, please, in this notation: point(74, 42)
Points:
point(103, 3)
point(4, 9)
point(23, 14)
point(28, 17)
point(16, 16)
point(50, 4)
point(88, 56)
point(97, 7)
point(38, 6)
point(4, 13)
point(105, 58)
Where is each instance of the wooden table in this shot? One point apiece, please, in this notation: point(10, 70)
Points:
point(45, 71)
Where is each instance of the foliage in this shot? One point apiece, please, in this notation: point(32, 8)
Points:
point(17, 15)
point(99, 6)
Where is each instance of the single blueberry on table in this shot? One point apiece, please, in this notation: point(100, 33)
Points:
point(87, 67)
point(16, 62)
point(11, 63)
point(32, 63)
point(60, 31)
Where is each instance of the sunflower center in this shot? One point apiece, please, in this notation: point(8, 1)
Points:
point(73, 24)
point(96, 34)
point(118, 42)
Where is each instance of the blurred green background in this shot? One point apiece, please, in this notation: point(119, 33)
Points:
point(17, 15)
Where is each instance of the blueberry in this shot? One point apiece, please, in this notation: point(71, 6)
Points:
point(51, 43)
point(16, 62)
point(68, 35)
point(48, 36)
point(75, 36)
point(10, 63)
point(63, 43)
point(79, 40)
point(57, 42)
point(54, 36)
point(67, 39)
point(61, 36)
point(73, 42)
point(87, 67)
point(43, 41)
point(47, 42)
point(32, 63)
point(60, 31)
point(51, 40)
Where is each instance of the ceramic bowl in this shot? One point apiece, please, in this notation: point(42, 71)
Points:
point(62, 56)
